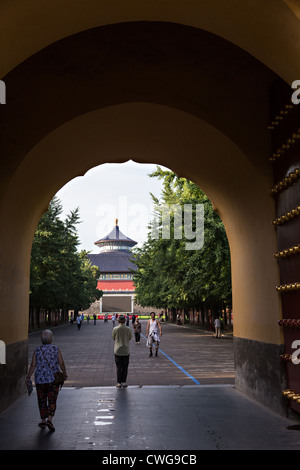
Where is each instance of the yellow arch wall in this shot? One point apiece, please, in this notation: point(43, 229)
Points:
point(238, 184)
point(267, 30)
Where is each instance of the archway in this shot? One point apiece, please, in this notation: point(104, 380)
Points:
point(74, 111)
point(242, 226)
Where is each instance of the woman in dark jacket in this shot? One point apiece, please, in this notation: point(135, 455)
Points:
point(137, 330)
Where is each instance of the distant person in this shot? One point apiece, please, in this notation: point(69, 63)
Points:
point(217, 325)
point(113, 319)
point(133, 319)
point(46, 360)
point(121, 335)
point(137, 330)
point(78, 322)
point(127, 319)
point(95, 318)
point(152, 335)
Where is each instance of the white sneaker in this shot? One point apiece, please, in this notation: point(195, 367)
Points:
point(118, 385)
point(124, 385)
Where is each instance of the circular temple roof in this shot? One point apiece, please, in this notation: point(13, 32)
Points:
point(115, 240)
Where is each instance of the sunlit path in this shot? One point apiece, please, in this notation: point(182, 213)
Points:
point(186, 353)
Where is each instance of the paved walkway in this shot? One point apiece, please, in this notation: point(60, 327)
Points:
point(183, 400)
point(188, 356)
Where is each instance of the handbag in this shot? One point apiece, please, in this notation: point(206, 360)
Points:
point(58, 376)
point(59, 379)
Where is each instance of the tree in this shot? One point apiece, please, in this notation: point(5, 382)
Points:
point(170, 276)
point(61, 278)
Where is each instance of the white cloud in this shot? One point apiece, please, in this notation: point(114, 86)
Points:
point(111, 191)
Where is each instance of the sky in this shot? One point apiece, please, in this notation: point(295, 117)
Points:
point(109, 192)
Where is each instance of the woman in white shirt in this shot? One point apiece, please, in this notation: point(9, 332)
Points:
point(152, 334)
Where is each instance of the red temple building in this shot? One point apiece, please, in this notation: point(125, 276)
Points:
point(116, 277)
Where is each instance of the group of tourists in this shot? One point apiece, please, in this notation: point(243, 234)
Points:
point(80, 318)
point(47, 362)
point(122, 334)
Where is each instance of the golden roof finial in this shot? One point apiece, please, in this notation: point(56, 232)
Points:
point(116, 221)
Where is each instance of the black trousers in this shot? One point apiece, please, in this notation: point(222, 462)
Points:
point(122, 363)
point(137, 336)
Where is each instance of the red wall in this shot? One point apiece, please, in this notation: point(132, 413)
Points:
point(115, 285)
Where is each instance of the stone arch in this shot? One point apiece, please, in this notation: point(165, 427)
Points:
point(57, 120)
point(268, 33)
point(246, 215)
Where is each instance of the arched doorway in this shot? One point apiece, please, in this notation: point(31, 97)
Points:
point(109, 94)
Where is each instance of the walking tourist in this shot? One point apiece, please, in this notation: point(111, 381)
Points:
point(78, 322)
point(46, 360)
point(121, 335)
point(152, 335)
point(217, 325)
point(137, 330)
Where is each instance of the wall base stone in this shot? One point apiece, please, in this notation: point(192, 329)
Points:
point(259, 372)
point(13, 373)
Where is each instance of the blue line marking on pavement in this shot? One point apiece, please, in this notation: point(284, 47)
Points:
point(179, 367)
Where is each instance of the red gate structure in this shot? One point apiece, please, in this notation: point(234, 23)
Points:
point(285, 128)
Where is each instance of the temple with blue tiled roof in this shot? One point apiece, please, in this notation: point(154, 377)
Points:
point(116, 277)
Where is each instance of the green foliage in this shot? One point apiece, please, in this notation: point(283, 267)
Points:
point(60, 276)
point(168, 275)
